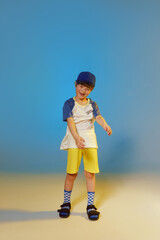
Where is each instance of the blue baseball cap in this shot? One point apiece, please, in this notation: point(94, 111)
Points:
point(86, 77)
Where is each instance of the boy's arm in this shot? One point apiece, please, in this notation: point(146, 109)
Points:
point(72, 127)
point(101, 121)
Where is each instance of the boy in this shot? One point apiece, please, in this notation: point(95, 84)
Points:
point(80, 113)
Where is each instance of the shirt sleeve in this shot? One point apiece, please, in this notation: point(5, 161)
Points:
point(67, 109)
point(96, 111)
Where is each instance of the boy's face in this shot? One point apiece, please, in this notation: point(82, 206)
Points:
point(82, 91)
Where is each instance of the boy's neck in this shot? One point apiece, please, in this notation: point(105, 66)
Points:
point(81, 101)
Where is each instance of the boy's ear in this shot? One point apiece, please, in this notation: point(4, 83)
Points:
point(92, 89)
point(75, 84)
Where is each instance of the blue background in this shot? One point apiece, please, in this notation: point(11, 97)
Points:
point(44, 45)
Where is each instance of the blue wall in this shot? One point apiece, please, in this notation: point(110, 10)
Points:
point(44, 46)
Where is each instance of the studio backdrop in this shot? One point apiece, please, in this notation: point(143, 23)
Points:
point(44, 45)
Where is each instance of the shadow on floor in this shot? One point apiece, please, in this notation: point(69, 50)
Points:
point(106, 188)
point(20, 215)
point(79, 199)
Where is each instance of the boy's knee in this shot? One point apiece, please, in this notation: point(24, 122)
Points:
point(89, 175)
point(72, 177)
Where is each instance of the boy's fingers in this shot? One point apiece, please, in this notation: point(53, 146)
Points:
point(81, 146)
point(110, 132)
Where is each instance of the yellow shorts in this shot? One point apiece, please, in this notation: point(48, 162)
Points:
point(90, 160)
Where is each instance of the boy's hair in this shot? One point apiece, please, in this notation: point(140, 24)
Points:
point(85, 84)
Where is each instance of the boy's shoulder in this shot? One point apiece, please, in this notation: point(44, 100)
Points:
point(93, 103)
point(96, 111)
point(69, 103)
point(69, 100)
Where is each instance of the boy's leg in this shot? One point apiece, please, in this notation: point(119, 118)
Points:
point(68, 185)
point(64, 212)
point(73, 162)
point(90, 158)
point(90, 182)
point(92, 212)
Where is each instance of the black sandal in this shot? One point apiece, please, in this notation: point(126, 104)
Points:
point(92, 213)
point(64, 212)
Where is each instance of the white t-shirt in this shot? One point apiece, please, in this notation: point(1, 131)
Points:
point(84, 118)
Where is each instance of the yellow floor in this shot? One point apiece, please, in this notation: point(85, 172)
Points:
point(129, 206)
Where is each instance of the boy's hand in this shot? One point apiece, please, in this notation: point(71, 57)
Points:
point(80, 142)
point(108, 129)
point(101, 121)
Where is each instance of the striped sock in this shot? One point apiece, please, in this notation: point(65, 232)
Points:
point(67, 196)
point(91, 196)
